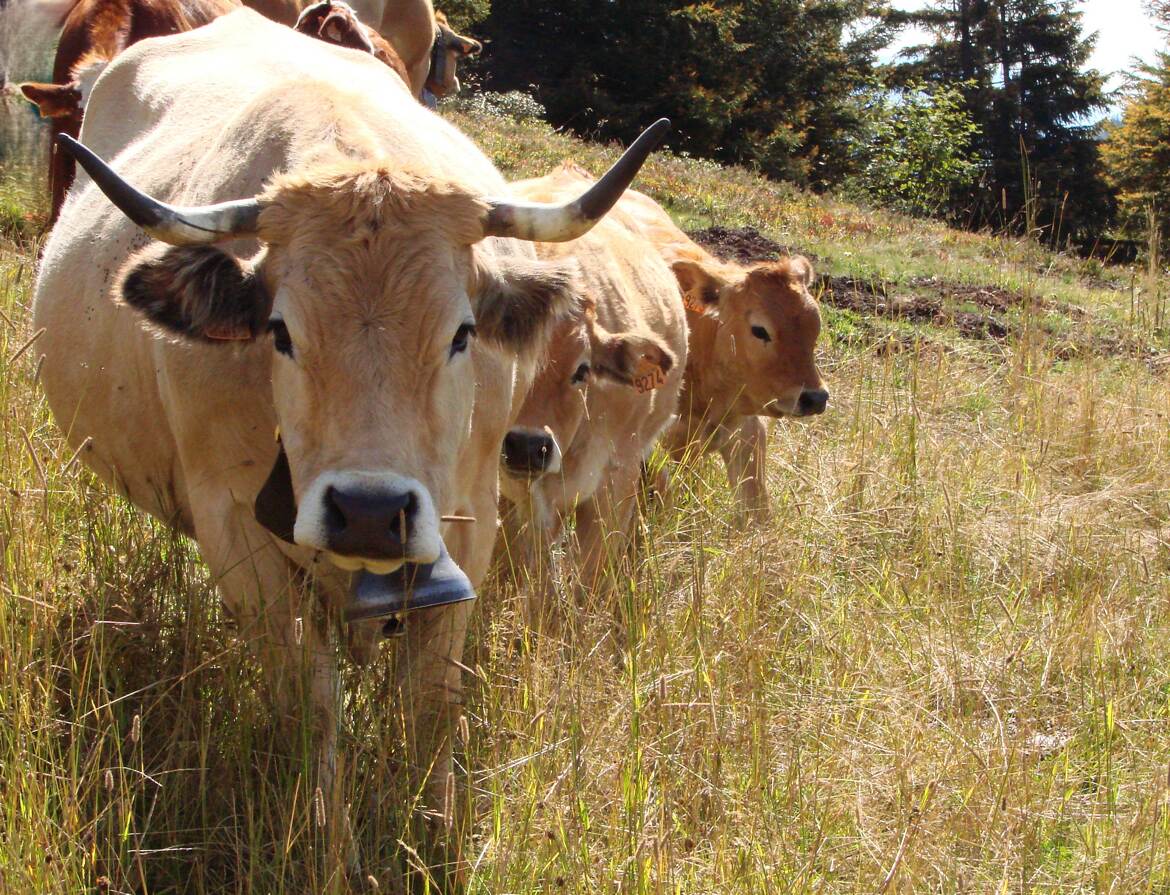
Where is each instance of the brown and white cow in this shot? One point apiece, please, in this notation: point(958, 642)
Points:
point(335, 271)
point(608, 387)
point(92, 33)
point(450, 47)
point(752, 351)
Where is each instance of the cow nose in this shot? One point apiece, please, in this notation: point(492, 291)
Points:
point(369, 523)
point(528, 452)
point(812, 401)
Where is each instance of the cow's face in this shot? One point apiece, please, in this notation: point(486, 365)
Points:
point(768, 330)
point(370, 297)
point(581, 356)
point(449, 48)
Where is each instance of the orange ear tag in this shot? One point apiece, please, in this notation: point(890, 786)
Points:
point(693, 304)
point(648, 376)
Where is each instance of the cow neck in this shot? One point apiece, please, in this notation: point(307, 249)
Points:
point(708, 377)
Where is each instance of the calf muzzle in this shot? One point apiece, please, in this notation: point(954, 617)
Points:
point(812, 401)
point(530, 453)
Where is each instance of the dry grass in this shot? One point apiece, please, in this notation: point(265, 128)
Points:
point(941, 667)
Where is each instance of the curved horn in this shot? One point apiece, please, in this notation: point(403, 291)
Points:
point(168, 223)
point(538, 222)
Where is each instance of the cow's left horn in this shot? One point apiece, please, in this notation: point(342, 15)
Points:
point(539, 222)
point(168, 223)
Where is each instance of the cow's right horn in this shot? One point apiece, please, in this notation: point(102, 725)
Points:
point(539, 222)
point(172, 224)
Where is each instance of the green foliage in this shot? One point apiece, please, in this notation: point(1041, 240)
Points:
point(1028, 87)
point(913, 151)
point(1137, 152)
point(463, 14)
point(760, 82)
point(514, 105)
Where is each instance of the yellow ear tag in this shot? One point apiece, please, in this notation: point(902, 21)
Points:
point(648, 376)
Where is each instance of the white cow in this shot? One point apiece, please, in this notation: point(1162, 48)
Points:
point(333, 274)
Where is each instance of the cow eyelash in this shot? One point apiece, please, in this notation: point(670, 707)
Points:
point(462, 338)
point(580, 374)
point(760, 333)
point(281, 340)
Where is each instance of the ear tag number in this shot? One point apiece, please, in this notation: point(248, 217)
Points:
point(691, 303)
point(648, 376)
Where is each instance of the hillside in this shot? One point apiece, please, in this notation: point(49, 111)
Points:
point(941, 666)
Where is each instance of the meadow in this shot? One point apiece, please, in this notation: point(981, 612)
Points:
point(942, 665)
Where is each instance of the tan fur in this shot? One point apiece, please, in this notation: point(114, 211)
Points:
point(370, 252)
point(605, 426)
point(732, 377)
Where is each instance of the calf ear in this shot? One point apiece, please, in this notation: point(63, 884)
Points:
point(700, 287)
point(53, 100)
point(521, 300)
point(197, 292)
point(639, 360)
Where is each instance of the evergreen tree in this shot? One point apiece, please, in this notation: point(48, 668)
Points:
point(1137, 151)
point(763, 82)
point(1028, 90)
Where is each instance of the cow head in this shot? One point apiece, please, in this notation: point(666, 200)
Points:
point(449, 48)
point(370, 293)
point(581, 355)
point(336, 22)
point(768, 325)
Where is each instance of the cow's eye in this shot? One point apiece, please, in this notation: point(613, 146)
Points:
point(281, 340)
point(580, 374)
point(462, 338)
point(760, 333)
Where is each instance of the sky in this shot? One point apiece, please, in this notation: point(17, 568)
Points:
point(1123, 31)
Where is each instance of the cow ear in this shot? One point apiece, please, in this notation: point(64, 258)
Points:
point(801, 269)
point(197, 292)
point(520, 301)
point(639, 360)
point(53, 100)
point(700, 288)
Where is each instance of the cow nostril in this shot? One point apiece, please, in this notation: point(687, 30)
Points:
point(369, 522)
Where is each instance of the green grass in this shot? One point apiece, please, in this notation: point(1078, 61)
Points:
point(942, 666)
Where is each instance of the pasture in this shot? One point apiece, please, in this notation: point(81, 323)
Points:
point(940, 666)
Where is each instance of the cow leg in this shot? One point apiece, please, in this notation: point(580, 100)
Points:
point(603, 525)
point(745, 455)
point(428, 675)
point(276, 616)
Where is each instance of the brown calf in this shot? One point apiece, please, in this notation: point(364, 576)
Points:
point(753, 335)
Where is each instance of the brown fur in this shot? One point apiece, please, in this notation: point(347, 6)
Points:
point(200, 292)
point(443, 78)
point(336, 23)
point(100, 30)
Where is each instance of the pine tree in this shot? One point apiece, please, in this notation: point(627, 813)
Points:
point(763, 82)
point(1028, 89)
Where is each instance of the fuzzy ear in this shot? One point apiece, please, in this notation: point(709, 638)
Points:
point(520, 301)
point(197, 292)
point(639, 360)
point(53, 100)
point(784, 271)
point(700, 287)
point(802, 269)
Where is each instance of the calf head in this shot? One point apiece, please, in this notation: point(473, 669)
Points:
point(369, 294)
point(768, 325)
point(581, 355)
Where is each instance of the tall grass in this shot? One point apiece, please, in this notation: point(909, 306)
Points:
point(941, 666)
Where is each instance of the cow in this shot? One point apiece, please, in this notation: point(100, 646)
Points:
point(442, 80)
point(753, 336)
point(608, 387)
point(299, 247)
point(95, 31)
point(92, 33)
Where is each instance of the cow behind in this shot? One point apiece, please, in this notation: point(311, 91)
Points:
point(753, 335)
point(608, 387)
